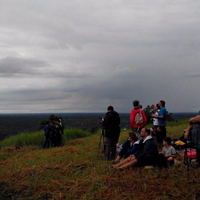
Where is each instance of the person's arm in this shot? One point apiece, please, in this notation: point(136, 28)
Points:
point(133, 149)
point(161, 114)
point(187, 132)
point(106, 120)
point(194, 119)
point(169, 155)
point(126, 144)
point(156, 116)
point(173, 152)
point(146, 150)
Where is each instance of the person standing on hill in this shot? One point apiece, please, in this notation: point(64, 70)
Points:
point(156, 109)
point(58, 129)
point(138, 118)
point(111, 124)
point(47, 132)
point(162, 118)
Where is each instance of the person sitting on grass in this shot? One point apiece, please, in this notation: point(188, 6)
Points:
point(146, 153)
point(128, 147)
point(168, 151)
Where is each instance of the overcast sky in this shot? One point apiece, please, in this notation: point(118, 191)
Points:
point(84, 55)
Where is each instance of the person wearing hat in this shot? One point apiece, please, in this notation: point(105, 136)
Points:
point(111, 124)
point(137, 113)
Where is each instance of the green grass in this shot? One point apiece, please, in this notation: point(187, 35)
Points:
point(38, 138)
point(76, 171)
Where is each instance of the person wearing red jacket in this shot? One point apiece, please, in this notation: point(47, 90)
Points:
point(136, 125)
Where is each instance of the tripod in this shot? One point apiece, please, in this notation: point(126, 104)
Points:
point(102, 135)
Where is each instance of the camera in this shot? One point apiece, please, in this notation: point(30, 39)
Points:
point(101, 120)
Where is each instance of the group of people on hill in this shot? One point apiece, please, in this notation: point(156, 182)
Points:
point(53, 131)
point(142, 144)
point(144, 151)
point(141, 147)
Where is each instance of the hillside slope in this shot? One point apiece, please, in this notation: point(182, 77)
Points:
point(76, 171)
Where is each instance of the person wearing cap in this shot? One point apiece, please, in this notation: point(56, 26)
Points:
point(111, 124)
point(136, 127)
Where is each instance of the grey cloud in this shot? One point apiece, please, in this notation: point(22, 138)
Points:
point(37, 95)
point(196, 75)
point(14, 66)
point(75, 56)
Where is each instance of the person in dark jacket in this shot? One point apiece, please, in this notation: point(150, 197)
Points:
point(146, 154)
point(128, 147)
point(111, 124)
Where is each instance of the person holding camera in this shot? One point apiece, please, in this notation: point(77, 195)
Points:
point(111, 124)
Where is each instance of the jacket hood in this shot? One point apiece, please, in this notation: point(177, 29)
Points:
point(147, 138)
point(137, 142)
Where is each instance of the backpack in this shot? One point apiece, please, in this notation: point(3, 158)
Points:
point(139, 118)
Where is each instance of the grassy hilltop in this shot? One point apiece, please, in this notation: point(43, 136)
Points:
point(75, 171)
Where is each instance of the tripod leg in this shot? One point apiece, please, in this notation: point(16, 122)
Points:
point(99, 145)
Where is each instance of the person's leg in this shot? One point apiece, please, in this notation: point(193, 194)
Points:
point(122, 152)
point(107, 143)
point(107, 152)
point(127, 155)
point(131, 163)
point(124, 161)
point(163, 132)
point(171, 162)
point(45, 143)
point(121, 162)
point(117, 159)
point(48, 141)
point(113, 151)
